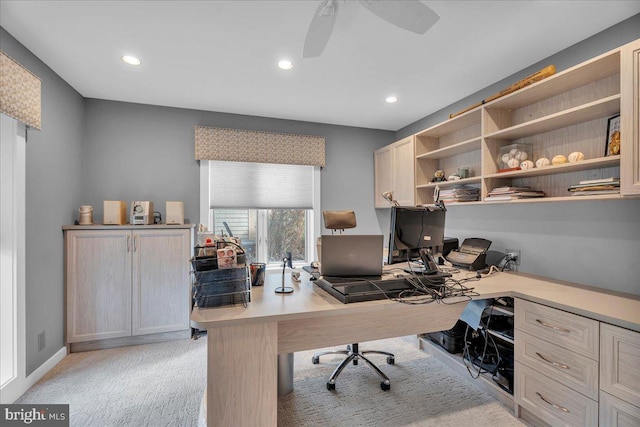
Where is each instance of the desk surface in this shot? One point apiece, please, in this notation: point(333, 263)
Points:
point(243, 343)
point(309, 300)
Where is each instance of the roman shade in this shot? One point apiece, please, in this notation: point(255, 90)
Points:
point(20, 92)
point(236, 185)
point(258, 147)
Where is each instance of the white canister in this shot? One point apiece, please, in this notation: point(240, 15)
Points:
point(86, 215)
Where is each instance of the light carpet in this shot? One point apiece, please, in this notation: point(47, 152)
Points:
point(162, 385)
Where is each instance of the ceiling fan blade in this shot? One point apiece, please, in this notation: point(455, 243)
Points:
point(411, 15)
point(320, 29)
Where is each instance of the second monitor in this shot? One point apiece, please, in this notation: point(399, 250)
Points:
point(415, 231)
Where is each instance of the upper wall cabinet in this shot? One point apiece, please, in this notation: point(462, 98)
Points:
point(566, 113)
point(393, 171)
point(630, 118)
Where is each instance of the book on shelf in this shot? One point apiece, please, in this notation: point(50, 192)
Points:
point(595, 192)
point(599, 181)
point(594, 187)
point(513, 196)
point(503, 190)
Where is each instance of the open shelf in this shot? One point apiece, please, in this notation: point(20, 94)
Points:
point(601, 162)
point(459, 148)
point(593, 110)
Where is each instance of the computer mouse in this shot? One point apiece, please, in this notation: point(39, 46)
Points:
point(315, 265)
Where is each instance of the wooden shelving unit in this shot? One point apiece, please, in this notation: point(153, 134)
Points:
point(566, 112)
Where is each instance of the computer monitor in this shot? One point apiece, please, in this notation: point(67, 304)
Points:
point(415, 230)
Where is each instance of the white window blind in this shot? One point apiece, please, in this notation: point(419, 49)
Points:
point(260, 185)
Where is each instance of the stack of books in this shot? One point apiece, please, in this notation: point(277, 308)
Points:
point(500, 194)
point(592, 187)
point(460, 193)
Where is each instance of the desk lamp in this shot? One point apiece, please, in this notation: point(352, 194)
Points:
point(388, 196)
point(286, 262)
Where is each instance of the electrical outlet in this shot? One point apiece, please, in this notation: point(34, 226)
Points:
point(41, 341)
point(515, 254)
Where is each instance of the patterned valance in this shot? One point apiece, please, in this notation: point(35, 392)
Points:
point(258, 147)
point(19, 92)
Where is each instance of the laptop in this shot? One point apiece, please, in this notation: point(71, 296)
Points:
point(351, 255)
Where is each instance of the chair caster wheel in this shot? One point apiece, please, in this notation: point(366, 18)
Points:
point(315, 360)
point(391, 360)
point(383, 386)
point(355, 361)
point(331, 386)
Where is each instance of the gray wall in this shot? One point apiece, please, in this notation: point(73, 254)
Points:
point(594, 243)
point(142, 152)
point(54, 184)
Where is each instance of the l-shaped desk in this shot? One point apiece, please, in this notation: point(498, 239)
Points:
point(243, 343)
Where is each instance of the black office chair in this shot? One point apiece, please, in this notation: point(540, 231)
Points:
point(341, 220)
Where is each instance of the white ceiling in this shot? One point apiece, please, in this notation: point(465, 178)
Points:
point(222, 55)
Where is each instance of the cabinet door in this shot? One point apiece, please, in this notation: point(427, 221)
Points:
point(404, 159)
point(383, 175)
point(615, 412)
point(620, 363)
point(98, 281)
point(161, 287)
point(630, 119)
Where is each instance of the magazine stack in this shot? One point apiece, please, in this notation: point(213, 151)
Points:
point(502, 194)
point(460, 193)
point(592, 187)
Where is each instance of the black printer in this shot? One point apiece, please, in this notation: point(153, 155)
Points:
point(471, 255)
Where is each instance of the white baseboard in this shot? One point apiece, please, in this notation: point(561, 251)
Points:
point(12, 394)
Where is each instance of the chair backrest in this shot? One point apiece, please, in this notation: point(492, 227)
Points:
point(339, 220)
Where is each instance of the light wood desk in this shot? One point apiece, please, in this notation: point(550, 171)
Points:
point(243, 343)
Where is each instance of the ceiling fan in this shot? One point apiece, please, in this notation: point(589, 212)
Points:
point(410, 15)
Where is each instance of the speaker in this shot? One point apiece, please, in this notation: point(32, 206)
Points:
point(115, 212)
point(175, 213)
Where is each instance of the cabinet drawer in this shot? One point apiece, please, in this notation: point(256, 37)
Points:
point(573, 332)
point(571, 369)
point(617, 413)
point(551, 401)
point(620, 363)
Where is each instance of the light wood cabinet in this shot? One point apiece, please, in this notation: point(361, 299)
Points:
point(394, 171)
point(566, 112)
point(630, 119)
point(619, 375)
point(98, 280)
point(616, 412)
point(127, 282)
point(556, 369)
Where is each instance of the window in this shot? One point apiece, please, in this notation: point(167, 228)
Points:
point(267, 234)
point(272, 209)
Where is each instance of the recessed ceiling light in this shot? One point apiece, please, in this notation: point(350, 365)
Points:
point(131, 60)
point(285, 64)
point(391, 99)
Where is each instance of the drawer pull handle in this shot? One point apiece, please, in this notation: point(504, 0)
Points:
point(555, 328)
point(559, 365)
point(562, 408)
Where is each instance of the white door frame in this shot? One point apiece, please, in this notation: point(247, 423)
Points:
point(12, 223)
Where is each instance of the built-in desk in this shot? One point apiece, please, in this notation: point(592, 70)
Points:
point(243, 343)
